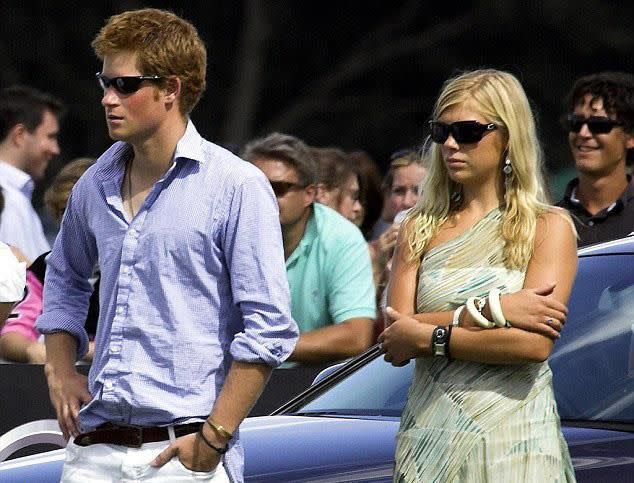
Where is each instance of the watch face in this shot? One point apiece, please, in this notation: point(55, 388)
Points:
point(439, 333)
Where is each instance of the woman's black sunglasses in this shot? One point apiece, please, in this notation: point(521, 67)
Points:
point(462, 131)
point(125, 84)
point(596, 124)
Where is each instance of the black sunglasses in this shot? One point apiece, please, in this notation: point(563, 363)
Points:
point(596, 124)
point(125, 84)
point(280, 188)
point(462, 131)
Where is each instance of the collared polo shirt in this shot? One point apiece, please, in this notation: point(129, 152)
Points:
point(330, 273)
point(20, 225)
point(615, 221)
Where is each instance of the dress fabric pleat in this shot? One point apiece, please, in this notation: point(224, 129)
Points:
point(471, 422)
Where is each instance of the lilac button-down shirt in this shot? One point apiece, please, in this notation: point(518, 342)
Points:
point(194, 281)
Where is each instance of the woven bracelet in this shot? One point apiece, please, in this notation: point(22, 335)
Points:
point(208, 443)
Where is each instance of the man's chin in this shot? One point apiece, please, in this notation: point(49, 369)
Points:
point(116, 136)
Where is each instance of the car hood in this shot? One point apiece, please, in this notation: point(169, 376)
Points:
point(335, 449)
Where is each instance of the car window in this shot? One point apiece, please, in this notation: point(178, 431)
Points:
point(375, 389)
point(593, 362)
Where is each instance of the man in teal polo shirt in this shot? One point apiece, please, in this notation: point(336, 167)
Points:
point(327, 260)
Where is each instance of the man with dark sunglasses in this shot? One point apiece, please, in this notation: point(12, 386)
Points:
point(600, 127)
point(327, 260)
point(195, 307)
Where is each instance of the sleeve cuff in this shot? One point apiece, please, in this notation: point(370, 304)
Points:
point(273, 353)
point(44, 325)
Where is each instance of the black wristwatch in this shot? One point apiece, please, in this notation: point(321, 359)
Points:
point(440, 341)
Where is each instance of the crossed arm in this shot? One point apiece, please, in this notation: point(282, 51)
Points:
point(549, 278)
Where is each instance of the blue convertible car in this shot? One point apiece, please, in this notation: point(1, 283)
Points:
point(342, 428)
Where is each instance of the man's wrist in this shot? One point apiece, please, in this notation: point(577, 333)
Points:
point(219, 429)
point(59, 370)
point(210, 442)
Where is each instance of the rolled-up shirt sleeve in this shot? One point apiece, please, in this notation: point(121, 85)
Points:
point(255, 256)
point(67, 288)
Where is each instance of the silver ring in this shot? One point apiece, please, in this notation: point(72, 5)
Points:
point(549, 321)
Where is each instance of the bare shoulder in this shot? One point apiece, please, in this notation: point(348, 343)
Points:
point(555, 228)
point(405, 234)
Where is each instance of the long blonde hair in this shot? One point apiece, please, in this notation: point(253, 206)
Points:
point(499, 98)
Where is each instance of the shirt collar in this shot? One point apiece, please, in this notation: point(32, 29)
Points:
point(16, 178)
point(190, 146)
point(624, 199)
point(310, 233)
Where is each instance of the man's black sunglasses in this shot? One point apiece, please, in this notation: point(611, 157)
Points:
point(280, 188)
point(596, 124)
point(125, 84)
point(467, 132)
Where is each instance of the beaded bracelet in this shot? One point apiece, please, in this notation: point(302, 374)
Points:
point(481, 320)
point(496, 308)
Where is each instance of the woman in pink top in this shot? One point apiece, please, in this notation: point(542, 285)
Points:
point(19, 339)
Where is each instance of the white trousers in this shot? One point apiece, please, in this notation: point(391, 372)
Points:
point(101, 463)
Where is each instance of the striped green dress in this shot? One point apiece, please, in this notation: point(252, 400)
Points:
point(471, 422)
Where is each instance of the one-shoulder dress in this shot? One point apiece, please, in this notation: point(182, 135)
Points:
point(471, 422)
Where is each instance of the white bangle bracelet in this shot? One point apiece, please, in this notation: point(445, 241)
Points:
point(481, 320)
point(456, 316)
point(496, 308)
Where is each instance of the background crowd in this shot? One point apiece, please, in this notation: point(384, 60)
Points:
point(339, 214)
point(185, 273)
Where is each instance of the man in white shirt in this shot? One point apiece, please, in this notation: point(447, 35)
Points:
point(29, 126)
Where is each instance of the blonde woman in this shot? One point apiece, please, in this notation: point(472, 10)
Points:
point(482, 272)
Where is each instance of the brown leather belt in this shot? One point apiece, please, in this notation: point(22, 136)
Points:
point(132, 436)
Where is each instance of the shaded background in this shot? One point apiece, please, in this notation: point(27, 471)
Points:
point(356, 74)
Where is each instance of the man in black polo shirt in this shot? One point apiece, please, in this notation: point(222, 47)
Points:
point(600, 132)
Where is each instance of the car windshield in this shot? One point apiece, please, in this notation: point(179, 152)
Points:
point(593, 370)
point(376, 389)
point(593, 363)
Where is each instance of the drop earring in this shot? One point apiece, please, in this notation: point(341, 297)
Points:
point(508, 173)
point(508, 168)
point(456, 196)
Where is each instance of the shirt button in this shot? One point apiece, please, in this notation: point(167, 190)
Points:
point(115, 349)
point(119, 310)
point(125, 270)
point(591, 223)
point(108, 385)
